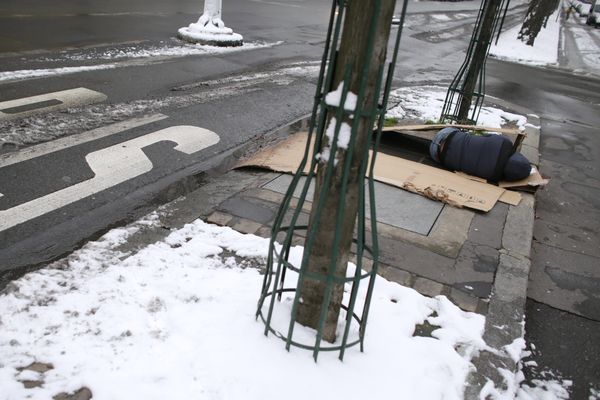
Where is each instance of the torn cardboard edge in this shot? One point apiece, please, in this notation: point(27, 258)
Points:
point(534, 180)
point(508, 197)
point(437, 127)
point(431, 182)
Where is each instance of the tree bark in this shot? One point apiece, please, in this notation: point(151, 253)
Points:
point(589, 17)
point(353, 52)
point(537, 16)
point(484, 37)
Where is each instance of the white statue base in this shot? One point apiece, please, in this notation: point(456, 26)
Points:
point(209, 34)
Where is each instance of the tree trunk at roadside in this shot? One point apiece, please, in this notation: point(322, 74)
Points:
point(589, 17)
point(484, 37)
point(537, 16)
point(353, 51)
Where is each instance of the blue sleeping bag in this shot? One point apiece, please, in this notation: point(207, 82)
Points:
point(487, 156)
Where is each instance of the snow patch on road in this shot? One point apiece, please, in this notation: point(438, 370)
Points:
point(124, 57)
point(133, 52)
point(45, 127)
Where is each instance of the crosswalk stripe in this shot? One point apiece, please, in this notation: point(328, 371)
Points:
point(23, 107)
point(111, 166)
point(66, 142)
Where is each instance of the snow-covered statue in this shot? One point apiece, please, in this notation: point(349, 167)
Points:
point(210, 28)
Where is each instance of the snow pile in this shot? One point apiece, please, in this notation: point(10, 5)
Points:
point(426, 103)
point(543, 52)
point(177, 320)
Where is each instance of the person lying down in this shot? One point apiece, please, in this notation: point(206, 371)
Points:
point(490, 157)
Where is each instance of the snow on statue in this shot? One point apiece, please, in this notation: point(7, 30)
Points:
point(210, 28)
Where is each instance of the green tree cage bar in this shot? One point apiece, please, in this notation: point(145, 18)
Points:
point(278, 299)
point(467, 90)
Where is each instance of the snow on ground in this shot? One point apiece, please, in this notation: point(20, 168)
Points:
point(441, 17)
point(543, 52)
point(518, 390)
point(426, 102)
point(177, 320)
point(544, 390)
point(126, 55)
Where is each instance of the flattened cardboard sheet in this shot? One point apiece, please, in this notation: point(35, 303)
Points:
point(427, 181)
point(510, 197)
point(532, 181)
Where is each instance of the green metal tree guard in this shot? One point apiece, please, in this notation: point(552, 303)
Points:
point(356, 308)
point(467, 90)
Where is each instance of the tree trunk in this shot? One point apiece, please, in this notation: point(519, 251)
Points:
point(589, 17)
point(537, 16)
point(353, 52)
point(484, 37)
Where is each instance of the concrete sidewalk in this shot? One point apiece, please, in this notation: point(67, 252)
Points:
point(480, 261)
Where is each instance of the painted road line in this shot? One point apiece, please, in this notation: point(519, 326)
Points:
point(49, 102)
point(111, 166)
point(276, 3)
point(70, 141)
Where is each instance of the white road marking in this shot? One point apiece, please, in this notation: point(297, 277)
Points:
point(276, 3)
point(66, 142)
point(23, 74)
point(68, 98)
point(112, 165)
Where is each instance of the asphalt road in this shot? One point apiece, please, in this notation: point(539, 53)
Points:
point(563, 306)
point(126, 53)
point(50, 203)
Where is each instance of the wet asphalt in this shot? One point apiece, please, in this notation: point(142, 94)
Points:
point(563, 306)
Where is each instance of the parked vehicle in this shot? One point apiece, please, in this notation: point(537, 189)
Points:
point(579, 7)
point(594, 16)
